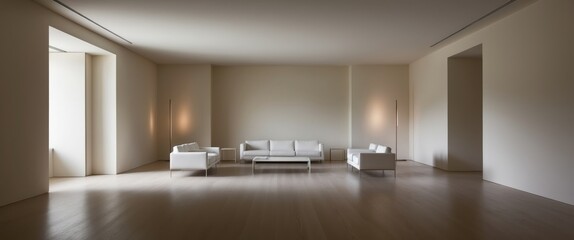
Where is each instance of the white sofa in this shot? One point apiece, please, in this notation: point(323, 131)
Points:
point(190, 156)
point(355, 151)
point(381, 158)
point(281, 148)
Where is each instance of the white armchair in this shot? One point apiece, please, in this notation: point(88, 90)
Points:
point(381, 159)
point(191, 157)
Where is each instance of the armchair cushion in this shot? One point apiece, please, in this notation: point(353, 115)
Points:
point(193, 146)
point(187, 147)
point(383, 149)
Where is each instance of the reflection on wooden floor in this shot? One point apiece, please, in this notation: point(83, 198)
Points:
point(285, 202)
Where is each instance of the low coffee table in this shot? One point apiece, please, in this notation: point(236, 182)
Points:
point(279, 159)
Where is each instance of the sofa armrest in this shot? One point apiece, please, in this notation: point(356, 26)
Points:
point(189, 160)
point(356, 151)
point(241, 150)
point(377, 161)
point(211, 149)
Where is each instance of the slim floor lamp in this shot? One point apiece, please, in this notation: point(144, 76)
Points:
point(170, 127)
point(396, 129)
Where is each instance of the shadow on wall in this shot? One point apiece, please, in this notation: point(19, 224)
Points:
point(440, 160)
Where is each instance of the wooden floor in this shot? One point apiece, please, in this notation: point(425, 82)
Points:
point(283, 201)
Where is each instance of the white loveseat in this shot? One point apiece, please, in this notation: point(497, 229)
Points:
point(281, 148)
point(356, 151)
point(376, 157)
point(190, 156)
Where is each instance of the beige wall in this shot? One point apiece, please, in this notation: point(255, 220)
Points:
point(189, 88)
point(24, 97)
point(23, 101)
point(428, 80)
point(527, 100)
point(374, 90)
point(280, 102)
point(104, 112)
point(136, 109)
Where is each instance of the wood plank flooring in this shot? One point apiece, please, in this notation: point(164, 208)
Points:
point(285, 202)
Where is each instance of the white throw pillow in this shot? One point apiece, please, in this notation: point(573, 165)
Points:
point(372, 147)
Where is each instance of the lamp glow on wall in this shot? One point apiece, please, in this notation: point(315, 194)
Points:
point(183, 121)
point(376, 116)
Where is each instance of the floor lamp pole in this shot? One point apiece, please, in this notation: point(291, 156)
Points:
point(170, 127)
point(396, 129)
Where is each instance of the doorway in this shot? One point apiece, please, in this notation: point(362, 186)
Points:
point(465, 110)
point(81, 108)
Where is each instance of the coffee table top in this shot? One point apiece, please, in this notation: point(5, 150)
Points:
point(281, 159)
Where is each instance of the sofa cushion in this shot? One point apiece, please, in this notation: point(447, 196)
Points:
point(188, 147)
point(257, 145)
point(181, 148)
point(193, 146)
point(284, 153)
point(275, 145)
point(308, 153)
point(372, 147)
point(256, 153)
point(307, 145)
point(383, 149)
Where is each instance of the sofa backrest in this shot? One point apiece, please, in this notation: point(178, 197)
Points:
point(383, 149)
point(257, 145)
point(281, 145)
point(307, 145)
point(193, 146)
point(186, 147)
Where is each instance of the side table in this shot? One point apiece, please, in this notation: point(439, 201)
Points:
point(337, 154)
point(225, 152)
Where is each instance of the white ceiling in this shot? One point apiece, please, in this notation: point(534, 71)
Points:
point(325, 32)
